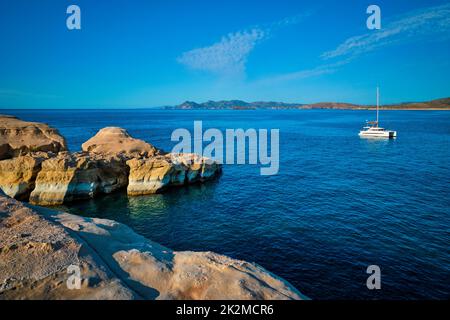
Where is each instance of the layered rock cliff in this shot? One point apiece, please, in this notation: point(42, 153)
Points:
point(110, 161)
point(18, 175)
point(40, 249)
point(156, 174)
point(74, 176)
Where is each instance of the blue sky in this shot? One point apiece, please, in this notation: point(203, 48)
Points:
point(155, 53)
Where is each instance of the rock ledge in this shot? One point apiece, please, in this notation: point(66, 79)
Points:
point(37, 245)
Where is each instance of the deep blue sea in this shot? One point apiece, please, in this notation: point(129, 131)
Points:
point(338, 204)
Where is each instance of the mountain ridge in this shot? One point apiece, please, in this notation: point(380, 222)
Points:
point(436, 104)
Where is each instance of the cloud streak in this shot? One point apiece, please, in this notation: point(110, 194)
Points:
point(228, 57)
point(304, 74)
point(414, 26)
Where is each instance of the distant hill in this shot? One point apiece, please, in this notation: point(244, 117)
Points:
point(439, 104)
point(235, 105)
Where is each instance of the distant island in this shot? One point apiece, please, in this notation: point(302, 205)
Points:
point(438, 104)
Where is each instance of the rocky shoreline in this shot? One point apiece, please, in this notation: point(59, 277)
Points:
point(36, 166)
point(39, 247)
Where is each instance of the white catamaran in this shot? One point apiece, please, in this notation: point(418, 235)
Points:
point(372, 130)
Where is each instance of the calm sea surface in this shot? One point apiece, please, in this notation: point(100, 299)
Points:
point(338, 204)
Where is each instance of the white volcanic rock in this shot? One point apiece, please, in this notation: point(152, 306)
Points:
point(37, 245)
point(152, 175)
point(198, 168)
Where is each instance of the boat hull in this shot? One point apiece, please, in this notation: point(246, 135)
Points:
point(383, 134)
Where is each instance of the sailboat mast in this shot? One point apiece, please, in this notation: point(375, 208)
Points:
point(378, 102)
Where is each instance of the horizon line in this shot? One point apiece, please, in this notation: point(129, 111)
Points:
point(192, 101)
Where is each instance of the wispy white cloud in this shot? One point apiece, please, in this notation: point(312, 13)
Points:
point(229, 55)
point(288, 21)
point(433, 22)
point(303, 74)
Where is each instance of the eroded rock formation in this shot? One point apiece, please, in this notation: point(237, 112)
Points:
point(117, 141)
point(37, 246)
point(19, 137)
point(155, 174)
point(74, 176)
point(18, 175)
point(111, 160)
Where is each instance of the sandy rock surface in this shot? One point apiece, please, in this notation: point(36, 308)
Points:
point(17, 175)
point(117, 141)
point(35, 254)
point(37, 245)
point(19, 137)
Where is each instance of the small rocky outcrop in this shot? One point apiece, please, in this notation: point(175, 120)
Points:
point(38, 245)
point(19, 137)
point(73, 176)
point(156, 174)
point(117, 141)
